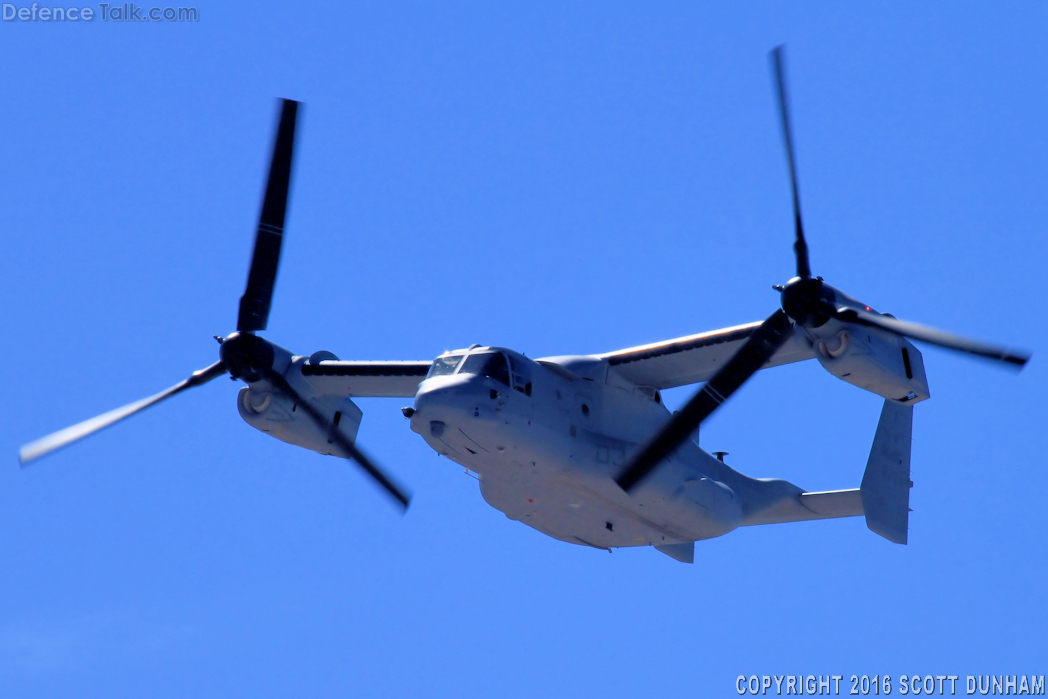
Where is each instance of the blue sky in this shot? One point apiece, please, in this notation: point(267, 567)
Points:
point(555, 180)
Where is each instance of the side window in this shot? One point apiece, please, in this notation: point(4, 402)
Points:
point(521, 375)
point(490, 364)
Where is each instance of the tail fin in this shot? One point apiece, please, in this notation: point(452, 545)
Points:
point(886, 484)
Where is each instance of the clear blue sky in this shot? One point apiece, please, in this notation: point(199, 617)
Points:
point(556, 180)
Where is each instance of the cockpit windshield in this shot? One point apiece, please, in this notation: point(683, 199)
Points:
point(444, 365)
point(490, 364)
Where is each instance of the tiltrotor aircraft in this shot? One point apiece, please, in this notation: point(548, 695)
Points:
point(582, 448)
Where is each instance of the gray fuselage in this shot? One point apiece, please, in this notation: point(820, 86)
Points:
point(547, 444)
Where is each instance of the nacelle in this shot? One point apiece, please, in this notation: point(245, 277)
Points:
point(872, 359)
point(269, 412)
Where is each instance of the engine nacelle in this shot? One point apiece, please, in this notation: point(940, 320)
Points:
point(875, 360)
point(278, 417)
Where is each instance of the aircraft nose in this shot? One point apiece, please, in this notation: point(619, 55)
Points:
point(439, 400)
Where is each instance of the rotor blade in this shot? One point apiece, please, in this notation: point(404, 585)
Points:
point(800, 246)
point(757, 350)
point(254, 304)
point(41, 447)
point(325, 425)
point(933, 336)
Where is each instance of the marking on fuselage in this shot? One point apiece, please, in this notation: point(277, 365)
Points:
point(474, 442)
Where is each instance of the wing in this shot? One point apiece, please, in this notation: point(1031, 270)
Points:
point(367, 379)
point(695, 358)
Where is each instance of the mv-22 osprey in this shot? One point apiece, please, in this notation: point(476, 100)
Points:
point(582, 448)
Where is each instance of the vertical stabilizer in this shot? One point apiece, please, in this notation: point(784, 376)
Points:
point(886, 484)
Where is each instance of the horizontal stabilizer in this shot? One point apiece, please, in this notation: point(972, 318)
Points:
point(886, 483)
point(884, 496)
point(806, 506)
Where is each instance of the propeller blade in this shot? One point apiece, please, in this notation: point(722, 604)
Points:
point(254, 304)
point(923, 333)
point(351, 450)
point(757, 350)
point(41, 447)
point(800, 247)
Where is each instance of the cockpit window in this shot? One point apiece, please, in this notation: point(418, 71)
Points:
point(490, 364)
point(444, 365)
point(521, 375)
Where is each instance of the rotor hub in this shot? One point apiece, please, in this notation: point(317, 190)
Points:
point(809, 301)
point(247, 356)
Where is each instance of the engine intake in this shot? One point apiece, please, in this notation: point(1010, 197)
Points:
point(278, 417)
point(875, 360)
